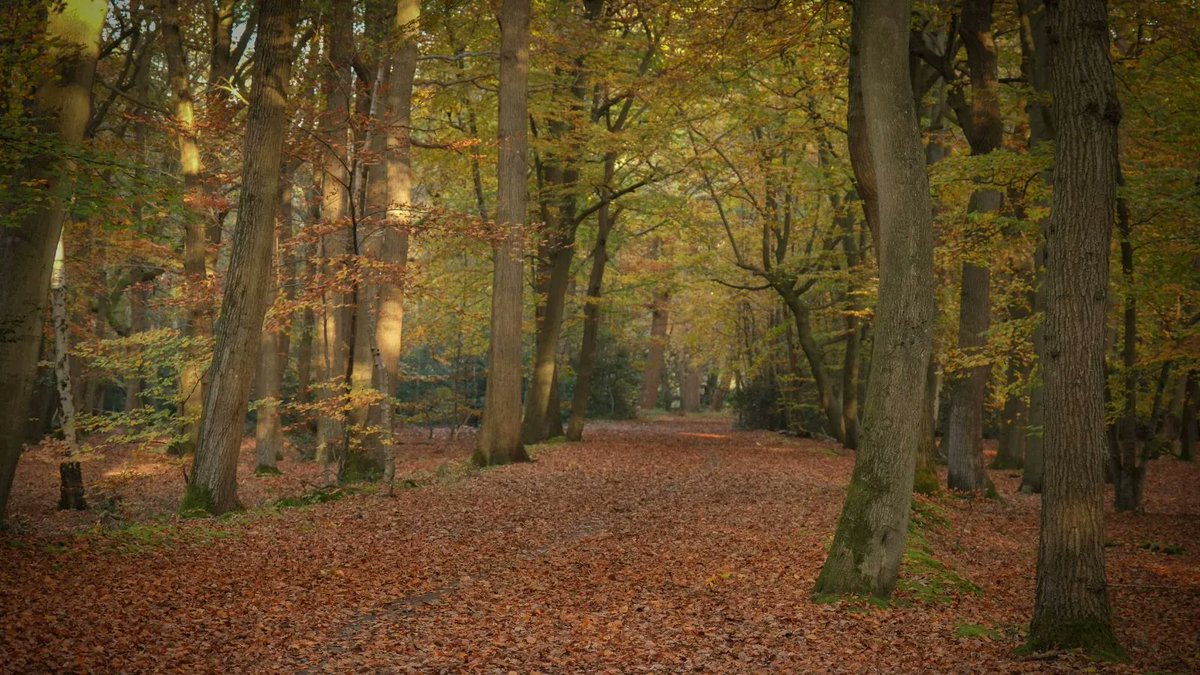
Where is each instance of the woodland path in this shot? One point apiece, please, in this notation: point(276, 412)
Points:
point(655, 546)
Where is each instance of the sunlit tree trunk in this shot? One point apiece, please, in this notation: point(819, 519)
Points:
point(333, 323)
point(864, 557)
point(195, 244)
point(499, 439)
point(61, 107)
point(212, 487)
point(1071, 608)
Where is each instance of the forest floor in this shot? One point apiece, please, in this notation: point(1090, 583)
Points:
point(659, 545)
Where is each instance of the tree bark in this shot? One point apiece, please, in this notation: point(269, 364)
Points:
point(869, 541)
point(1071, 608)
point(212, 486)
point(61, 107)
point(1187, 420)
point(499, 440)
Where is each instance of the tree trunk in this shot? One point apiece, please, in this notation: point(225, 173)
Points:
point(61, 105)
point(499, 439)
point(333, 323)
point(1035, 60)
point(925, 480)
point(1071, 608)
point(1187, 421)
point(62, 347)
point(70, 491)
point(591, 315)
point(869, 542)
point(1129, 467)
point(815, 356)
point(272, 357)
point(195, 242)
point(212, 486)
point(985, 133)
point(656, 359)
point(545, 361)
point(1010, 451)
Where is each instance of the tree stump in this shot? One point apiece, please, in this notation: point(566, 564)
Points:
point(71, 487)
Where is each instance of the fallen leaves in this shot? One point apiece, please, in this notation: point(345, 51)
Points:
point(659, 546)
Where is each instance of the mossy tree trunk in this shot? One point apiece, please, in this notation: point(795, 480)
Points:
point(212, 486)
point(869, 542)
point(1071, 607)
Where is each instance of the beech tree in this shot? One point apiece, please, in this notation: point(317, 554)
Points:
point(212, 487)
point(500, 429)
point(867, 546)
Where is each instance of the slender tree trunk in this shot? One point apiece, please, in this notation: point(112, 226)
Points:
point(656, 359)
point(1187, 420)
point(869, 542)
point(591, 315)
point(62, 106)
point(815, 356)
point(499, 439)
point(272, 356)
point(1010, 451)
point(1071, 608)
point(964, 429)
point(545, 362)
point(212, 486)
point(62, 347)
point(333, 324)
point(1129, 469)
point(1035, 60)
point(925, 480)
point(195, 243)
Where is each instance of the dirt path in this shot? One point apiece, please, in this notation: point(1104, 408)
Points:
point(655, 546)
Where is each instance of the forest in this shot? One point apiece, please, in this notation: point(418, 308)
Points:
point(599, 336)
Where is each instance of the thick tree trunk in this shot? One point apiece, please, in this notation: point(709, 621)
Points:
point(656, 359)
point(869, 542)
point(61, 106)
point(212, 486)
point(195, 242)
point(499, 439)
point(333, 324)
point(689, 387)
point(1071, 608)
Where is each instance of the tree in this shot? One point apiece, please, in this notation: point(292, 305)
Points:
point(61, 111)
point(985, 132)
point(212, 487)
point(500, 429)
point(1071, 608)
point(867, 546)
